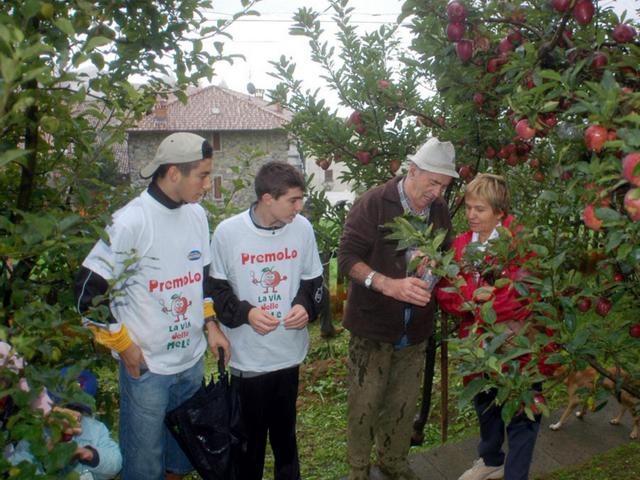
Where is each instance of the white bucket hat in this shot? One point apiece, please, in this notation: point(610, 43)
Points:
point(436, 157)
point(177, 148)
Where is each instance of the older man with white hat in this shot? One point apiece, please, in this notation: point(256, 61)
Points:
point(389, 313)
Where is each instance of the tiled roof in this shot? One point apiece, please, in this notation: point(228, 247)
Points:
point(216, 108)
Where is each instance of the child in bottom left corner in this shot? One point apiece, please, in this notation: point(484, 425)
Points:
point(98, 456)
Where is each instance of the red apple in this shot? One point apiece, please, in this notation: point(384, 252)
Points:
point(634, 330)
point(363, 157)
point(512, 160)
point(550, 120)
point(566, 175)
point(612, 135)
point(584, 304)
point(534, 163)
point(323, 163)
point(632, 204)
point(361, 129)
point(490, 152)
point(478, 99)
point(383, 84)
point(583, 12)
point(603, 306)
point(524, 131)
point(505, 46)
point(630, 169)
point(560, 6)
point(466, 172)
point(594, 137)
point(590, 219)
point(456, 12)
point(623, 33)
point(515, 37)
point(538, 176)
point(618, 277)
point(494, 64)
point(464, 49)
point(455, 31)
point(355, 118)
point(599, 61)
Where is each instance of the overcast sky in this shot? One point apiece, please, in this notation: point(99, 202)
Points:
point(264, 38)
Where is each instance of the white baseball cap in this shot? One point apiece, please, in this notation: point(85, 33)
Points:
point(182, 147)
point(436, 157)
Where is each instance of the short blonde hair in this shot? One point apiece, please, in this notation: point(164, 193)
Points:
point(493, 189)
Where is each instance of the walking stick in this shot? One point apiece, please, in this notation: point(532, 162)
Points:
point(444, 378)
point(417, 438)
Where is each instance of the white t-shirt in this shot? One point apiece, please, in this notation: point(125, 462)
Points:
point(264, 268)
point(160, 302)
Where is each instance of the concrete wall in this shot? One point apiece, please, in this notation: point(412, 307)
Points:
point(237, 149)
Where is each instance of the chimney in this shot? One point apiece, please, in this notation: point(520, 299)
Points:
point(160, 111)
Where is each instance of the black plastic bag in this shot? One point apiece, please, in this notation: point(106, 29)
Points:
point(208, 428)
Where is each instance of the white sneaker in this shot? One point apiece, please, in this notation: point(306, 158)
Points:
point(480, 471)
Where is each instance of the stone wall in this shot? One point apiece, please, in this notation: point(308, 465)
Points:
point(245, 149)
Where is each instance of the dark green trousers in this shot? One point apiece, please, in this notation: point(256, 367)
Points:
point(384, 385)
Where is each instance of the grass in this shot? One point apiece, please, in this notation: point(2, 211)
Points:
point(620, 463)
point(322, 418)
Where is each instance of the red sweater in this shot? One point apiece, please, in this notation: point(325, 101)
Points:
point(508, 304)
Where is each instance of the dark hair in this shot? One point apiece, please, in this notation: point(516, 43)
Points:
point(276, 178)
point(185, 168)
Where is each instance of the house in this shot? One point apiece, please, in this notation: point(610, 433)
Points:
point(245, 132)
point(329, 181)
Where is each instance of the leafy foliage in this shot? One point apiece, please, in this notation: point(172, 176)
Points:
point(575, 86)
point(66, 100)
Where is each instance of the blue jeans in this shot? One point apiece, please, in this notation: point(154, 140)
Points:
point(148, 448)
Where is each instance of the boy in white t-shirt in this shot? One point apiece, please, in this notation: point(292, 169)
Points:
point(267, 285)
point(158, 257)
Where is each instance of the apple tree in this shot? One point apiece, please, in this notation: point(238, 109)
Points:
point(544, 92)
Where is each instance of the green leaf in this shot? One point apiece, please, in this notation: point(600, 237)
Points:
point(12, 155)
point(474, 387)
point(65, 25)
point(96, 42)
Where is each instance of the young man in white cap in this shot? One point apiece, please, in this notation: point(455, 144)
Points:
point(158, 258)
point(389, 314)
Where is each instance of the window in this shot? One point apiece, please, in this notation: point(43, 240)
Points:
point(215, 141)
point(328, 176)
point(217, 187)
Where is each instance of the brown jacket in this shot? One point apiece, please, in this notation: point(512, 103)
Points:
point(368, 313)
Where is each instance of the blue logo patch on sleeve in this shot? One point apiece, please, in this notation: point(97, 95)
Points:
point(194, 255)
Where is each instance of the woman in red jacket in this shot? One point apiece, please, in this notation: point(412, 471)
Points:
point(487, 204)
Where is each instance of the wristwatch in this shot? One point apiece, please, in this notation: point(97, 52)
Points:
point(368, 282)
